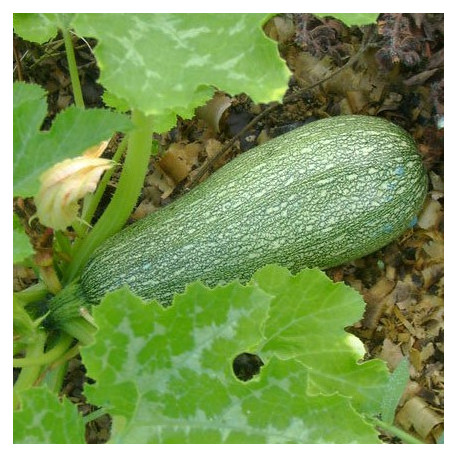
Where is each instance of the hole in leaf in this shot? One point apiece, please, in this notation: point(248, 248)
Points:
point(246, 366)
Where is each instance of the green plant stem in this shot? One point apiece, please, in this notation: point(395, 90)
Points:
point(81, 329)
point(72, 353)
point(77, 93)
point(63, 242)
point(395, 431)
point(125, 197)
point(33, 293)
point(47, 358)
point(94, 415)
point(92, 203)
point(29, 375)
point(54, 377)
point(79, 228)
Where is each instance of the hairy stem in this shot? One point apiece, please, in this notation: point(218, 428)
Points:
point(81, 329)
point(93, 202)
point(77, 93)
point(126, 195)
point(33, 293)
point(45, 358)
point(29, 375)
point(95, 415)
point(395, 431)
point(54, 377)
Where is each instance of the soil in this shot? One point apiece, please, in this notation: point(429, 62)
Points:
point(393, 70)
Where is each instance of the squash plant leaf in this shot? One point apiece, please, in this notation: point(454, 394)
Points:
point(173, 62)
point(307, 319)
point(37, 27)
point(398, 383)
point(43, 419)
point(167, 376)
point(350, 19)
point(72, 132)
point(22, 248)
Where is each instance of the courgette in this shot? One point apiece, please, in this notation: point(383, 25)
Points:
point(324, 194)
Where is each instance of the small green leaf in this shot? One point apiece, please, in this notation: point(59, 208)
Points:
point(72, 132)
point(307, 320)
point(37, 27)
point(353, 18)
point(29, 110)
point(43, 419)
point(173, 62)
point(395, 388)
point(22, 248)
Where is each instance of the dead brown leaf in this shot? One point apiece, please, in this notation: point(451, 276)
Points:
point(417, 415)
point(391, 353)
point(180, 159)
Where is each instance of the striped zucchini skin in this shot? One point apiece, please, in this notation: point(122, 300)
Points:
point(326, 193)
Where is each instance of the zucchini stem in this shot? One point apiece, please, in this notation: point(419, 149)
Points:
point(81, 329)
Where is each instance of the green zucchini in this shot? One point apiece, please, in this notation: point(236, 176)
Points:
point(319, 196)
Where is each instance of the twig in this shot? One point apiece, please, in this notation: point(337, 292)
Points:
point(18, 67)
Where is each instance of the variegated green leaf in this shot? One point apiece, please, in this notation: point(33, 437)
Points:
point(73, 131)
point(307, 320)
point(38, 27)
point(43, 419)
point(166, 375)
point(168, 64)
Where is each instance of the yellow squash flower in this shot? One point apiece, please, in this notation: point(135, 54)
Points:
point(64, 184)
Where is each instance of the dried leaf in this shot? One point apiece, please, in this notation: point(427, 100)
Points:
point(161, 181)
point(416, 414)
point(431, 215)
point(280, 28)
point(435, 250)
point(436, 182)
point(214, 109)
point(357, 100)
point(180, 159)
point(391, 353)
point(376, 303)
point(420, 78)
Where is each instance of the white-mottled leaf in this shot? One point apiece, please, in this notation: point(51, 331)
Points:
point(353, 18)
point(72, 132)
point(308, 316)
point(43, 419)
point(168, 64)
point(37, 27)
point(166, 375)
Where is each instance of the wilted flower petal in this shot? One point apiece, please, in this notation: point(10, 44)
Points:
point(96, 151)
point(67, 182)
